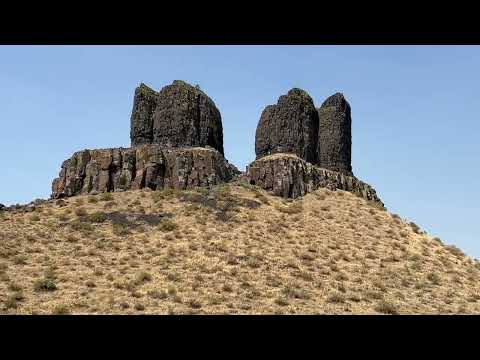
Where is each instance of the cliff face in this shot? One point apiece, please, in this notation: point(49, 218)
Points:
point(289, 176)
point(179, 115)
point(335, 134)
point(177, 142)
point(290, 126)
point(152, 166)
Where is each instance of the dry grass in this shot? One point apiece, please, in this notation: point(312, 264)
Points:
point(238, 250)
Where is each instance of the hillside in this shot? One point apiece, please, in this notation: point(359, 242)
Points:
point(235, 250)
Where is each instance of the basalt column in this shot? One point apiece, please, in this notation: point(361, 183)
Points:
point(141, 121)
point(335, 135)
point(290, 126)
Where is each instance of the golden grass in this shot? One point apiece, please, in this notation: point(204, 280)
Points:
point(245, 252)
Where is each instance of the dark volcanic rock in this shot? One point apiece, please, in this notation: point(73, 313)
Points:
point(289, 176)
point(141, 121)
point(335, 134)
point(290, 126)
point(186, 116)
point(144, 166)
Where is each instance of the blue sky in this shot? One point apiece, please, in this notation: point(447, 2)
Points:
point(415, 113)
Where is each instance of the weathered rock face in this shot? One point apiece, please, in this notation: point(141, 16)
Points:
point(335, 135)
point(180, 115)
point(152, 166)
point(141, 121)
point(290, 126)
point(289, 176)
point(185, 116)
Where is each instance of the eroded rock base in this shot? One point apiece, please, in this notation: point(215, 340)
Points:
point(152, 166)
point(289, 176)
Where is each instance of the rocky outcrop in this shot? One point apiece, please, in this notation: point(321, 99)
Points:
point(335, 135)
point(144, 166)
point(290, 126)
point(186, 116)
point(289, 176)
point(141, 121)
point(180, 115)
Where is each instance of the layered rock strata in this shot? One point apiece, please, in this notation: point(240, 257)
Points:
point(144, 166)
point(289, 176)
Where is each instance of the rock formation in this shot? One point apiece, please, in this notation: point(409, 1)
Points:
point(144, 166)
point(141, 121)
point(289, 176)
point(177, 116)
point(177, 142)
point(299, 150)
point(290, 126)
point(335, 135)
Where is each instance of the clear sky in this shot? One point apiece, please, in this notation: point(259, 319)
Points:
point(415, 114)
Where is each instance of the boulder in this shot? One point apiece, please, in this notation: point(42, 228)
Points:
point(290, 126)
point(335, 135)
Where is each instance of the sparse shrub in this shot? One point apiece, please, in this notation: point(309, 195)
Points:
point(92, 200)
point(386, 307)
point(106, 197)
point(97, 217)
point(61, 310)
point(80, 211)
point(20, 260)
point(294, 208)
point(45, 285)
point(143, 277)
point(227, 287)
point(139, 307)
point(281, 301)
point(167, 225)
point(109, 204)
point(336, 298)
point(455, 251)
point(194, 303)
point(120, 229)
point(90, 284)
point(258, 195)
point(434, 278)
point(35, 218)
point(81, 226)
point(415, 228)
point(155, 294)
point(63, 217)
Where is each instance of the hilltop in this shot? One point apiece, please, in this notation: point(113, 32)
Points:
point(228, 249)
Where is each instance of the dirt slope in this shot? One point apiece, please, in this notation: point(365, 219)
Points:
point(236, 250)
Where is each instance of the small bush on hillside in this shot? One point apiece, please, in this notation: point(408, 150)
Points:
point(97, 217)
point(455, 250)
point(92, 200)
point(120, 229)
point(167, 225)
point(80, 212)
point(434, 278)
point(106, 197)
point(61, 310)
point(386, 307)
point(45, 285)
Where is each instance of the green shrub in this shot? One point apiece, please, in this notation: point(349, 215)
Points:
point(45, 285)
point(386, 307)
point(106, 197)
point(167, 225)
point(97, 217)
